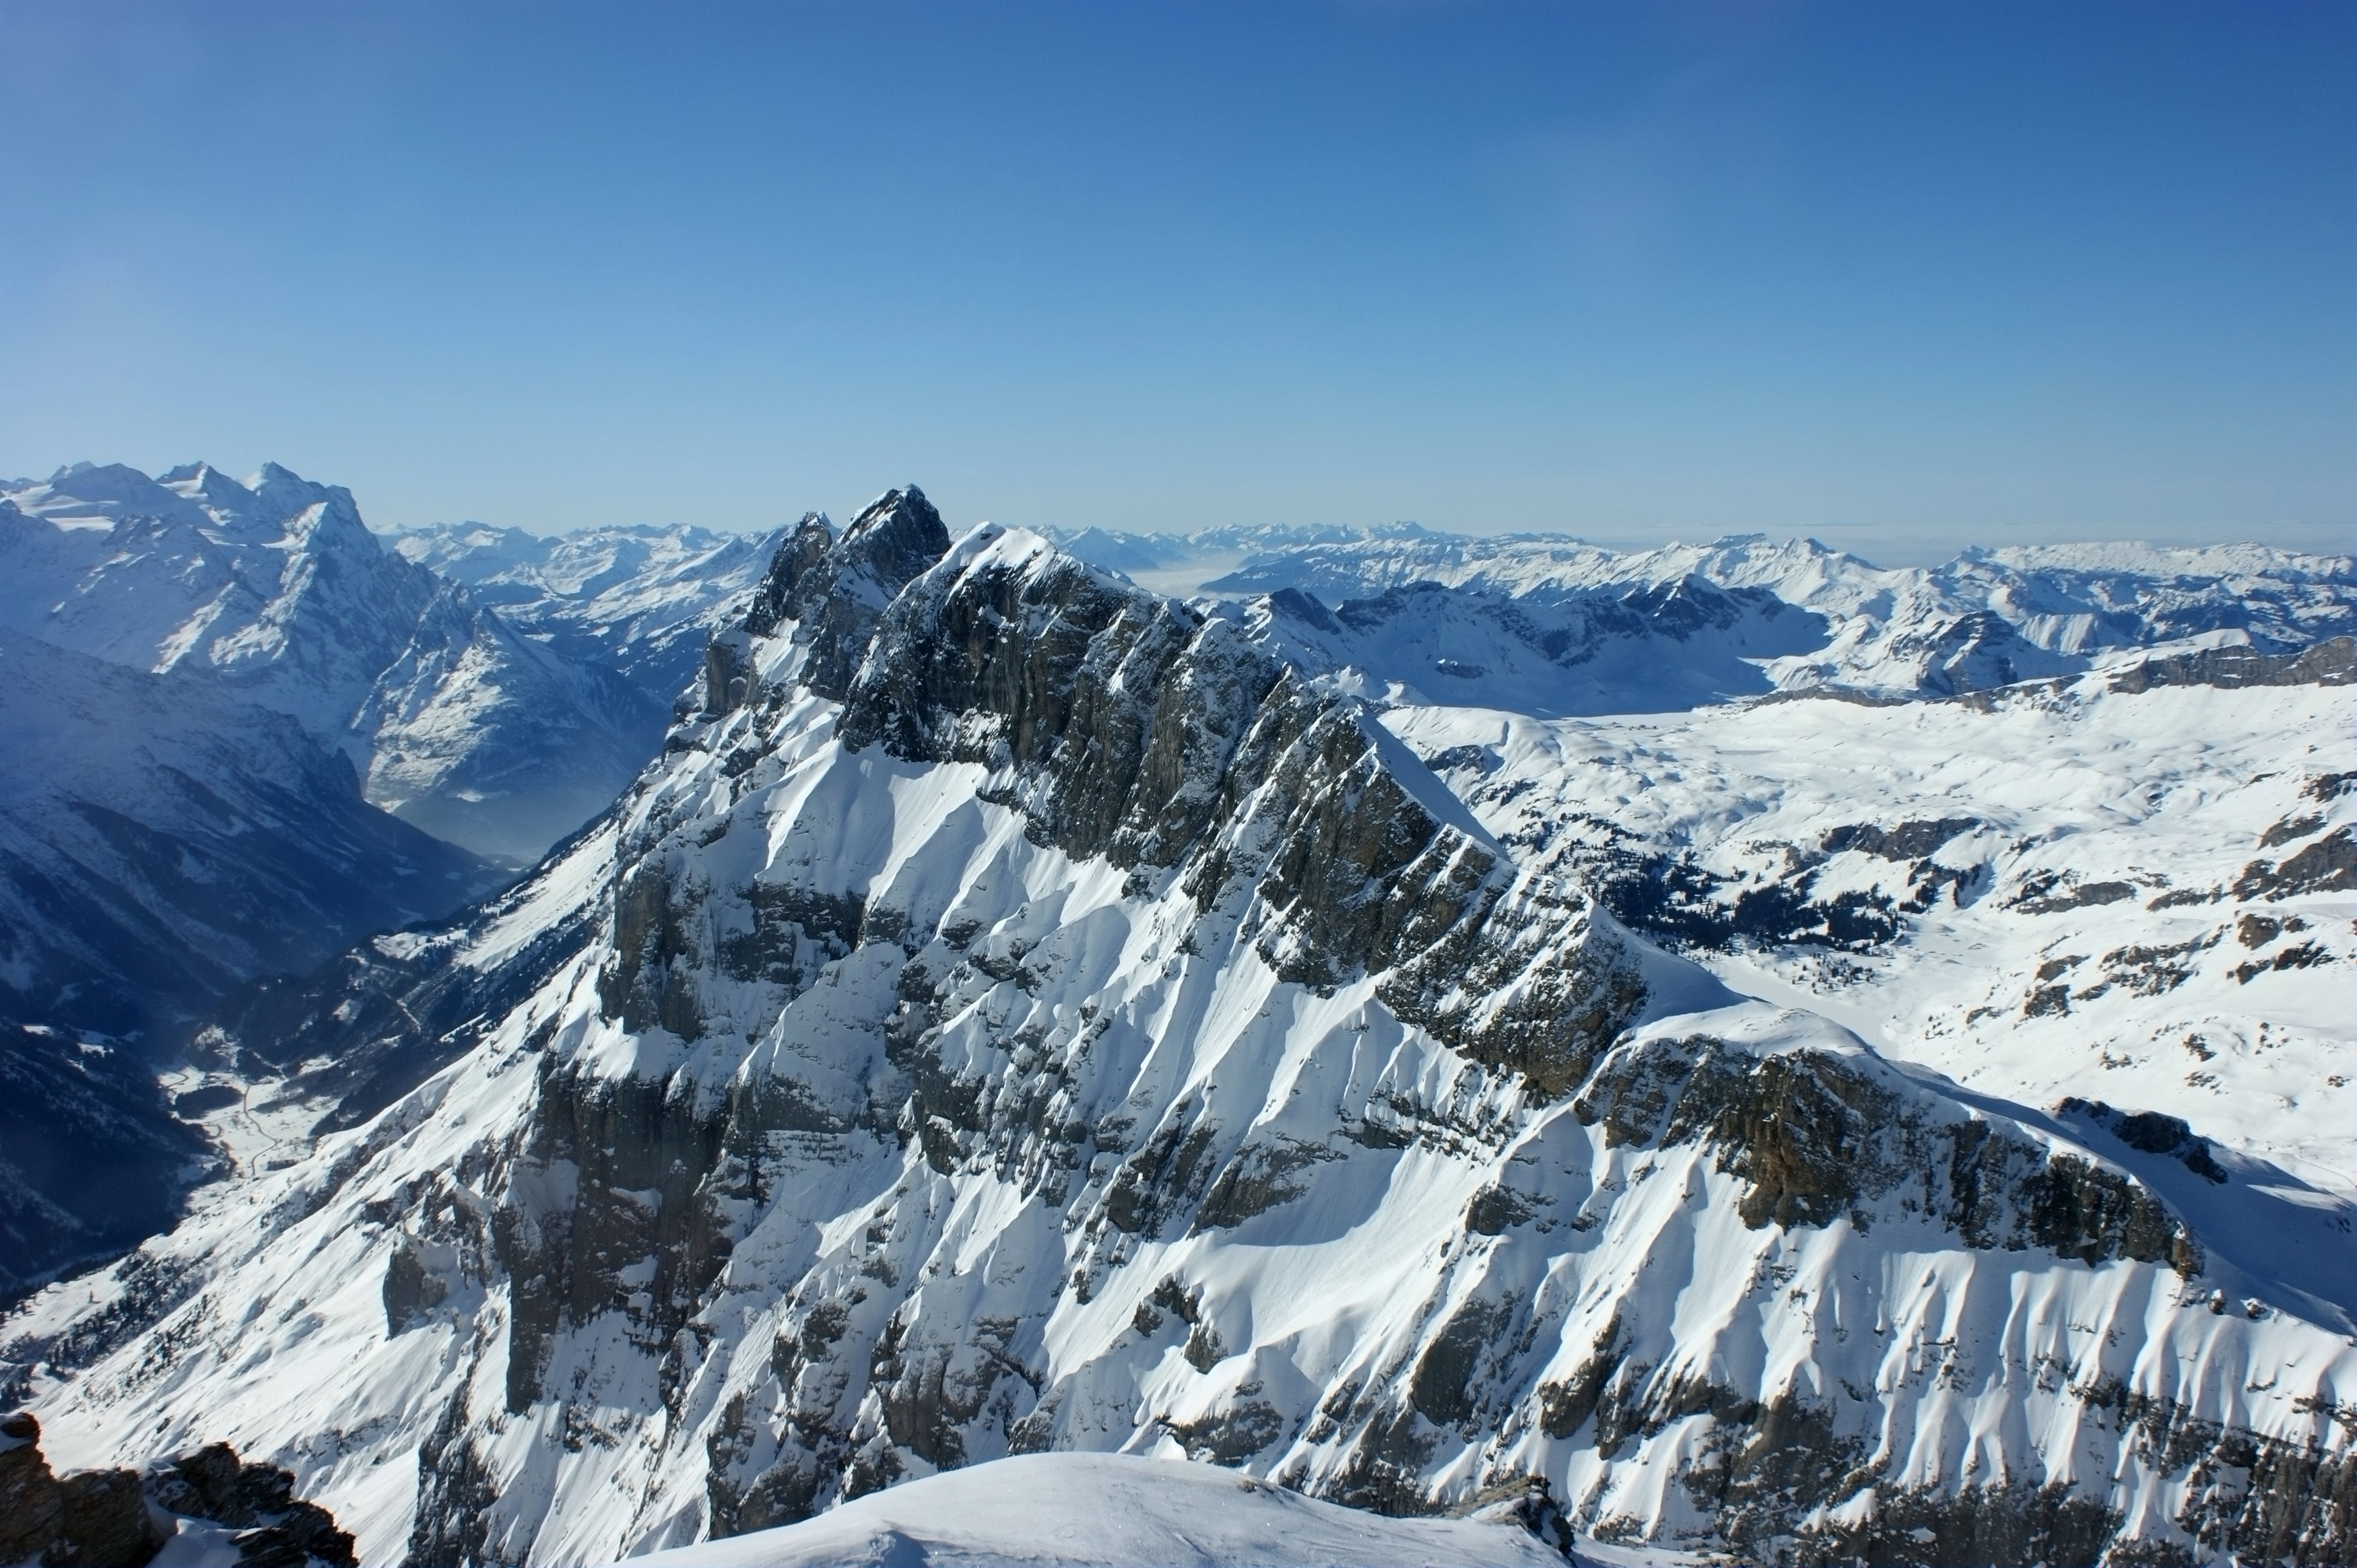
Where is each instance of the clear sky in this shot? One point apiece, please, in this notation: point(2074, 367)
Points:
point(1903, 274)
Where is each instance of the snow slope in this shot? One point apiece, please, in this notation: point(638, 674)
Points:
point(2141, 898)
point(640, 599)
point(1019, 1015)
point(1096, 1510)
point(277, 591)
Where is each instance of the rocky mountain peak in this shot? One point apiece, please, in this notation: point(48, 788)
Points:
point(897, 535)
point(836, 589)
point(219, 1509)
point(803, 552)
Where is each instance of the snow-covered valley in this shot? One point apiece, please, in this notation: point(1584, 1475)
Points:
point(1019, 1014)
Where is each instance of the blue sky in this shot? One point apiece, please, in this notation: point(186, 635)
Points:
point(1905, 276)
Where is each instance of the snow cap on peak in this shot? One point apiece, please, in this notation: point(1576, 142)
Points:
point(225, 500)
point(110, 491)
point(996, 544)
point(276, 483)
point(1026, 553)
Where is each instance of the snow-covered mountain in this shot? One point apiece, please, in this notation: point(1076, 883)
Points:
point(1987, 618)
point(160, 843)
point(161, 840)
point(456, 722)
point(1022, 1013)
point(640, 599)
point(1644, 649)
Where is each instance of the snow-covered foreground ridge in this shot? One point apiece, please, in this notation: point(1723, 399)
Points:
point(1096, 1510)
point(1019, 1015)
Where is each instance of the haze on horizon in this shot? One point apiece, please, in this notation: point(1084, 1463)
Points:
point(1902, 278)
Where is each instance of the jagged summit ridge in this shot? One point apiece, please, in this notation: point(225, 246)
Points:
point(1138, 730)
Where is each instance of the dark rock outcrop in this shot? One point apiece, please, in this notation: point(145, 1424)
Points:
point(1138, 731)
point(102, 1519)
point(1818, 1138)
point(2327, 865)
point(2151, 1132)
point(777, 600)
point(2332, 663)
point(838, 596)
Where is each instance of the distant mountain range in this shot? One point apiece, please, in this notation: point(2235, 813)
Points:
point(208, 689)
point(641, 600)
point(1987, 618)
point(1021, 1012)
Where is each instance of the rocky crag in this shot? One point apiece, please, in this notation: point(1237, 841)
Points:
point(1021, 1014)
point(122, 1518)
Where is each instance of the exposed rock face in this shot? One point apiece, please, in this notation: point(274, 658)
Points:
point(101, 1518)
point(803, 553)
point(1816, 1139)
point(2152, 1132)
point(837, 601)
point(1145, 734)
point(2332, 663)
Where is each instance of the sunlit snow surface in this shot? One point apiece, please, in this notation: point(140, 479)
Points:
point(1095, 1510)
